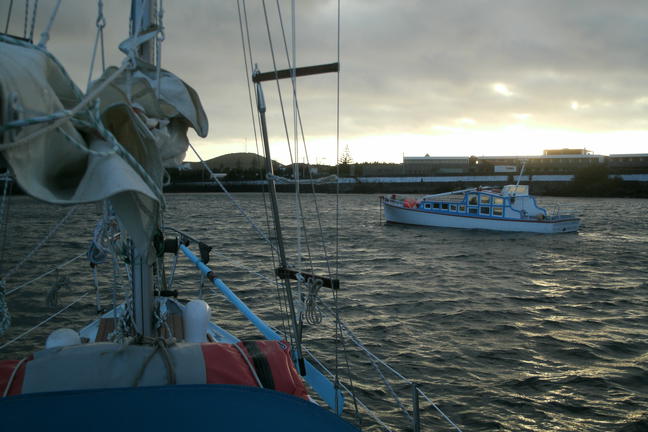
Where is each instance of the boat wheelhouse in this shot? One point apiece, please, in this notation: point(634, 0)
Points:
point(508, 209)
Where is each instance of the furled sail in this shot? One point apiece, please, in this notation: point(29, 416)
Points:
point(116, 152)
point(167, 117)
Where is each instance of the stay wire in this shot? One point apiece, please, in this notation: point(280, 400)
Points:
point(283, 111)
point(247, 70)
point(44, 240)
point(274, 65)
point(26, 19)
point(256, 120)
point(100, 23)
point(4, 217)
point(33, 21)
point(8, 17)
point(300, 211)
point(54, 315)
point(247, 51)
point(335, 296)
point(303, 136)
point(45, 35)
point(337, 203)
point(281, 293)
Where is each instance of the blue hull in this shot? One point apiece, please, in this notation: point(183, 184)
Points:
point(167, 408)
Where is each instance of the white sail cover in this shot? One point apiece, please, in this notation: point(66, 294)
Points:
point(73, 163)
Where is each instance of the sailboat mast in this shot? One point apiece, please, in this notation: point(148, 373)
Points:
point(277, 223)
point(142, 18)
point(283, 271)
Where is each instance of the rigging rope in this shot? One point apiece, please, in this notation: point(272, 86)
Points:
point(13, 376)
point(100, 23)
point(159, 344)
point(53, 293)
point(312, 181)
point(62, 116)
point(215, 179)
point(368, 410)
point(40, 244)
point(26, 19)
point(274, 66)
point(33, 22)
point(117, 147)
point(313, 314)
point(20, 336)
point(4, 216)
point(159, 38)
point(46, 273)
point(5, 316)
point(280, 293)
point(337, 199)
point(8, 16)
point(45, 34)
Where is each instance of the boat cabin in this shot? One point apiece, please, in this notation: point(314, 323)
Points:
point(511, 202)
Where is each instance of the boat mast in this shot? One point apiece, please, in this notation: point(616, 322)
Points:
point(142, 18)
point(283, 271)
point(261, 107)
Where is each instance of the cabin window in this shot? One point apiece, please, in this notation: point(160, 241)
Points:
point(498, 201)
point(497, 211)
point(472, 210)
point(472, 199)
point(444, 206)
point(484, 199)
point(484, 210)
point(462, 208)
point(427, 205)
point(453, 207)
point(435, 205)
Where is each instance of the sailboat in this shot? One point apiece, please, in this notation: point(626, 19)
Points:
point(154, 362)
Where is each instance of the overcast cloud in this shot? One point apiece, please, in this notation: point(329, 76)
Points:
point(439, 72)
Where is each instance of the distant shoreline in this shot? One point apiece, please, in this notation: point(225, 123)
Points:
point(614, 187)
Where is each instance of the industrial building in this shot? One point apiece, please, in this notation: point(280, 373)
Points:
point(563, 161)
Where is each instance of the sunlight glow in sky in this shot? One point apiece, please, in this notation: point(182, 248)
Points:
point(443, 78)
point(502, 89)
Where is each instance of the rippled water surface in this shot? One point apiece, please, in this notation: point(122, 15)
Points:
point(506, 331)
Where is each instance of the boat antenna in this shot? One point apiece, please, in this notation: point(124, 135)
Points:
point(520, 175)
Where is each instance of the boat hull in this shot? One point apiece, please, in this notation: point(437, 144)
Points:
point(414, 216)
point(168, 408)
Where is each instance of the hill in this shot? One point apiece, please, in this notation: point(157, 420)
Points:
point(235, 161)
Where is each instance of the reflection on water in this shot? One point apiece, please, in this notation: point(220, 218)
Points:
point(508, 331)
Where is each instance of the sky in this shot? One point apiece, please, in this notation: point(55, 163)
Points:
point(442, 77)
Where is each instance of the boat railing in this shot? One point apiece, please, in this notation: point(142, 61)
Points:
point(389, 391)
point(557, 212)
point(399, 201)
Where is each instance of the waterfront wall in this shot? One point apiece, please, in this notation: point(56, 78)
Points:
point(629, 185)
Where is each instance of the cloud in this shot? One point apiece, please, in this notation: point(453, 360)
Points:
point(406, 66)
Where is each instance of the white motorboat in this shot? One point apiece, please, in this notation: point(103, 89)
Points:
point(508, 209)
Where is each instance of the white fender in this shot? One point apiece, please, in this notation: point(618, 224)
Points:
point(196, 319)
point(62, 337)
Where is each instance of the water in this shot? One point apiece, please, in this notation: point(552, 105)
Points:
point(507, 331)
